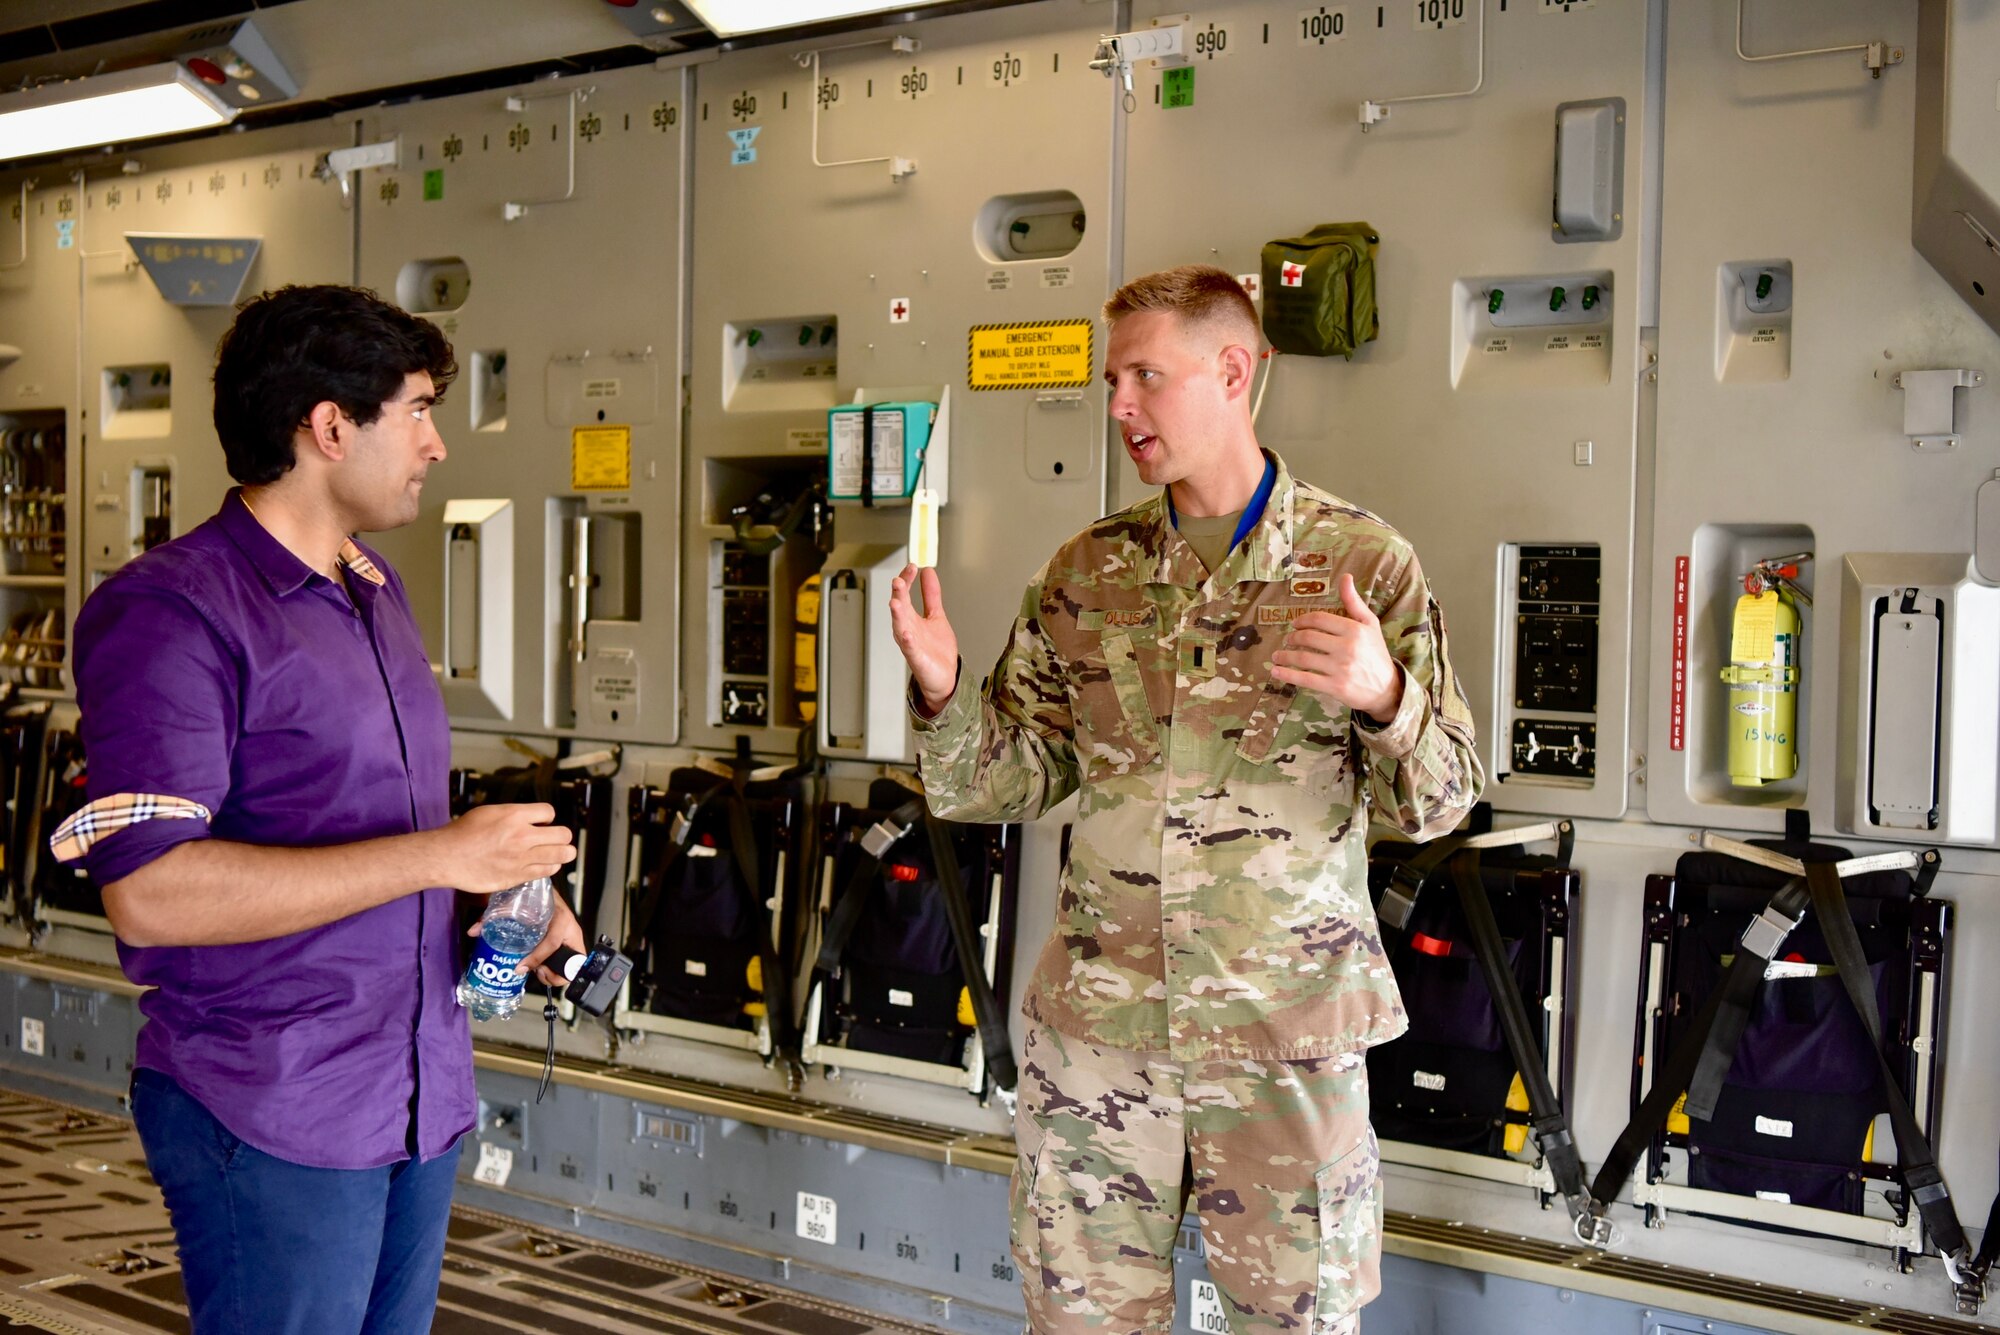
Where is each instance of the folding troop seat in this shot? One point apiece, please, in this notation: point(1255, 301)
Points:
point(1478, 934)
point(711, 919)
point(1790, 1042)
point(914, 931)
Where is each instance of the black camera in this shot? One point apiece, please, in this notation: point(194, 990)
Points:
point(594, 979)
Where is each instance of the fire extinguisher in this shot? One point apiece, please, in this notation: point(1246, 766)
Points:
point(1763, 673)
point(805, 648)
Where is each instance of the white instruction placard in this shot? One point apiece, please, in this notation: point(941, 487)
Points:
point(818, 1218)
point(1205, 1304)
point(848, 453)
point(34, 1037)
point(496, 1165)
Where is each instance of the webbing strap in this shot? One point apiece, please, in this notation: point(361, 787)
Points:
point(846, 916)
point(989, 1019)
point(640, 928)
point(1673, 1077)
point(1919, 1166)
point(1548, 1121)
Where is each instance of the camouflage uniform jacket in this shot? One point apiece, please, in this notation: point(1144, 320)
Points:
point(1215, 902)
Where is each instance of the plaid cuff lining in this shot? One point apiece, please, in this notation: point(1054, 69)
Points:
point(108, 815)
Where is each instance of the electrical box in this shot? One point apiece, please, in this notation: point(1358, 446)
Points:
point(864, 684)
point(1590, 170)
point(1553, 594)
point(753, 615)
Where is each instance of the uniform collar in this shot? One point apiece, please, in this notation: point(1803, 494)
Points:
point(1265, 554)
point(280, 568)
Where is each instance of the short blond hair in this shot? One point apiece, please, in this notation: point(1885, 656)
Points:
point(1200, 294)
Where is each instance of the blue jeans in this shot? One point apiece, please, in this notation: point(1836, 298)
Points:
point(270, 1247)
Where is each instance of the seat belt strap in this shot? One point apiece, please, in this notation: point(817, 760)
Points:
point(1919, 1166)
point(876, 843)
point(1548, 1122)
point(991, 1021)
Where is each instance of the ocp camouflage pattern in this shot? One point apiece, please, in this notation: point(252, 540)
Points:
point(1214, 904)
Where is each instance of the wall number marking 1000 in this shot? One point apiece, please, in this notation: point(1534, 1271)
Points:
point(1440, 13)
point(1319, 26)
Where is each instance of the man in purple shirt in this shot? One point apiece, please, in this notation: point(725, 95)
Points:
point(268, 764)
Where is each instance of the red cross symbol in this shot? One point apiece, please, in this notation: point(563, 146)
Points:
point(1251, 285)
point(1293, 275)
point(899, 311)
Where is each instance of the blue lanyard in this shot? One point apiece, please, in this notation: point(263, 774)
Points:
point(1251, 512)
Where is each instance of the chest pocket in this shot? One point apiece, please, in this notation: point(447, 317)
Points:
point(1292, 732)
point(1112, 708)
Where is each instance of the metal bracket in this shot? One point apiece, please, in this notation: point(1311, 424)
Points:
point(1929, 407)
point(340, 164)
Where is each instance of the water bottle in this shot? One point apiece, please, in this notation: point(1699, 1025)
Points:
point(514, 923)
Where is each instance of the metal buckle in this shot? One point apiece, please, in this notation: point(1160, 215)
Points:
point(681, 828)
point(1767, 931)
point(881, 837)
point(1968, 1285)
point(1399, 898)
point(1593, 1229)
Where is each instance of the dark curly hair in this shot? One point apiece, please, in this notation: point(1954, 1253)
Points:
point(298, 347)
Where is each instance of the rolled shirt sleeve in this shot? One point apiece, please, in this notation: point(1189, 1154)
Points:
point(164, 732)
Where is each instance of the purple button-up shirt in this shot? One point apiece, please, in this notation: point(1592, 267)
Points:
point(221, 670)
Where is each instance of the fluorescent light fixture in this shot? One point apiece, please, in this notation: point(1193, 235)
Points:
point(733, 18)
point(107, 108)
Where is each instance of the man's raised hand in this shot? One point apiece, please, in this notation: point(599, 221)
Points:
point(926, 638)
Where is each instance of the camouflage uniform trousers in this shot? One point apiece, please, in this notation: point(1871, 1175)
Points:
point(1283, 1171)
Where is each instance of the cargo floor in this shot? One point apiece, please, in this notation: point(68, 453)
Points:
point(85, 1247)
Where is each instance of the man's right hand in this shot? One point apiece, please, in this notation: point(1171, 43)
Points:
point(491, 848)
point(926, 638)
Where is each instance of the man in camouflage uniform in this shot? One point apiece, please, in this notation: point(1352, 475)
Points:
point(1235, 674)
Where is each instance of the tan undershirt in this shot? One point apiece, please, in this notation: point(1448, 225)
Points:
point(1210, 535)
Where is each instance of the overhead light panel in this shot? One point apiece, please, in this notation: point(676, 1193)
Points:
point(733, 18)
point(215, 71)
point(130, 104)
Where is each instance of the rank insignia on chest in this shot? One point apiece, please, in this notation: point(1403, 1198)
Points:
point(1310, 586)
point(1197, 656)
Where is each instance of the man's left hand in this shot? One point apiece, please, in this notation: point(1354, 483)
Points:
point(564, 930)
point(1342, 659)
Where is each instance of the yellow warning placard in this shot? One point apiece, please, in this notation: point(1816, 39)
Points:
point(600, 458)
point(1032, 354)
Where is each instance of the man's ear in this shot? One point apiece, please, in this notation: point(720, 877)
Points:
point(325, 430)
point(1239, 370)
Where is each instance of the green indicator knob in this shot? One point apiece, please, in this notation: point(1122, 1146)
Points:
point(1590, 298)
point(805, 335)
point(1763, 286)
point(1494, 301)
point(825, 335)
point(1558, 298)
point(754, 337)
